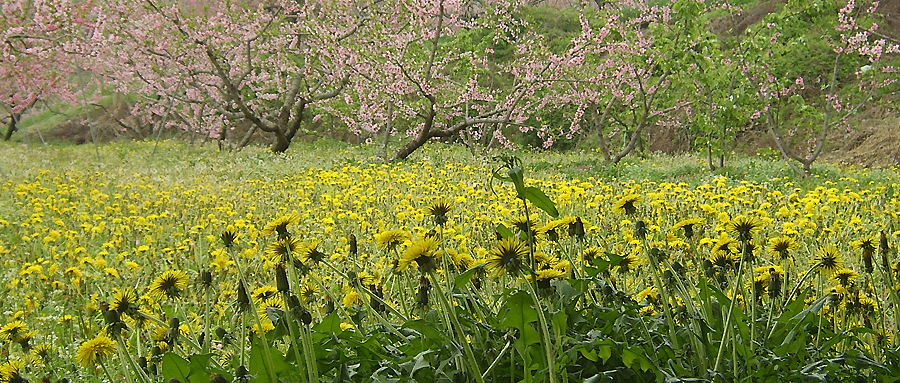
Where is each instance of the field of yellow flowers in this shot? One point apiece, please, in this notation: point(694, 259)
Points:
point(166, 262)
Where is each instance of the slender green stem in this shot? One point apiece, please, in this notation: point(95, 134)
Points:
point(497, 359)
point(123, 354)
point(207, 337)
point(243, 356)
point(267, 360)
point(819, 284)
point(289, 319)
point(548, 349)
point(309, 354)
point(664, 295)
point(726, 329)
point(456, 329)
point(106, 371)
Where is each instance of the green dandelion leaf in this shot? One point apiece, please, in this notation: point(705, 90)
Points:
point(539, 199)
point(518, 314)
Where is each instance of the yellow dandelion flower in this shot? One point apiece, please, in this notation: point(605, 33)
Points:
point(94, 350)
point(628, 204)
point(9, 371)
point(846, 277)
point(170, 284)
point(42, 350)
point(280, 224)
point(507, 257)
point(647, 311)
point(743, 227)
point(347, 326)
point(12, 330)
point(438, 211)
point(687, 226)
point(650, 294)
point(828, 259)
point(284, 248)
point(263, 293)
point(423, 252)
point(782, 246)
point(352, 298)
point(390, 239)
point(125, 301)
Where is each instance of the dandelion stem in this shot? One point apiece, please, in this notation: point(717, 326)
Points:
point(289, 319)
point(123, 354)
point(106, 371)
point(548, 349)
point(269, 365)
point(497, 359)
point(456, 328)
point(726, 329)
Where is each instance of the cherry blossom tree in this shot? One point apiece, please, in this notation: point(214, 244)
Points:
point(853, 51)
point(429, 69)
point(208, 66)
point(40, 42)
point(623, 68)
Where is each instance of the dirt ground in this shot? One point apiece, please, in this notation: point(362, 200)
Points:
point(875, 142)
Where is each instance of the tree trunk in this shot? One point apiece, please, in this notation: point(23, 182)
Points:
point(417, 142)
point(11, 128)
point(388, 127)
point(600, 123)
point(247, 136)
point(635, 137)
point(281, 143)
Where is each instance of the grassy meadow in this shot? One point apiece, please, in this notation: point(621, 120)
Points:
point(144, 262)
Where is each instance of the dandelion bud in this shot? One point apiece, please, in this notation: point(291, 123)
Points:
point(243, 300)
point(353, 247)
point(293, 303)
point(606, 290)
point(884, 250)
point(775, 282)
point(306, 317)
point(281, 278)
point(206, 279)
point(329, 306)
point(228, 238)
point(576, 229)
point(240, 374)
point(640, 229)
point(155, 351)
point(833, 298)
point(174, 330)
point(668, 277)
point(217, 378)
point(867, 263)
point(221, 333)
point(142, 361)
point(111, 317)
point(422, 293)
